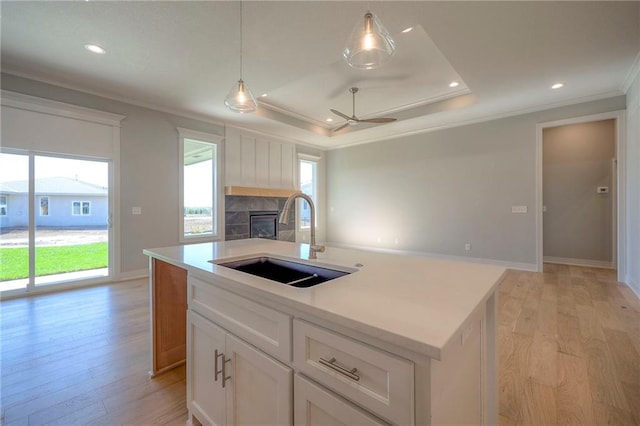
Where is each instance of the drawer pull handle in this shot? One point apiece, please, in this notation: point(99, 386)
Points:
point(332, 365)
point(224, 370)
point(215, 365)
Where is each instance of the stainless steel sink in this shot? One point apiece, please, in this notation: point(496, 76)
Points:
point(287, 272)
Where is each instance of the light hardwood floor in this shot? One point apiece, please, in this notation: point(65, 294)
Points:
point(569, 354)
point(82, 357)
point(569, 348)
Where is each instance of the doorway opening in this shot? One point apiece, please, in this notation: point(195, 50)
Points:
point(579, 192)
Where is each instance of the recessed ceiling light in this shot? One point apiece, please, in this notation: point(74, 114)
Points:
point(264, 95)
point(95, 49)
point(454, 84)
point(407, 30)
point(329, 120)
point(557, 85)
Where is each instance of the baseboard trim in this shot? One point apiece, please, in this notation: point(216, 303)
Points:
point(579, 262)
point(633, 285)
point(132, 275)
point(522, 266)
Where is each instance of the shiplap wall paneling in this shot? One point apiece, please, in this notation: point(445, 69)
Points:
point(257, 161)
point(248, 153)
point(262, 161)
point(288, 166)
point(233, 158)
point(275, 165)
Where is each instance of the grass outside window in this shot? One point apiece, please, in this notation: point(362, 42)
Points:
point(50, 260)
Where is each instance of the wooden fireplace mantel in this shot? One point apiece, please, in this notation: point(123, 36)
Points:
point(249, 191)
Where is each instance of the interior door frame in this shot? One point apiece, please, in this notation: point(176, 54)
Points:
point(620, 185)
point(31, 287)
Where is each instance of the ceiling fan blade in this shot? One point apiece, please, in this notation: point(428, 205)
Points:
point(341, 127)
point(378, 120)
point(336, 112)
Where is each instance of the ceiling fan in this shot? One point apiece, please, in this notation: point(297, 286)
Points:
point(353, 120)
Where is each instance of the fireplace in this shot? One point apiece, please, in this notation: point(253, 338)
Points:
point(257, 217)
point(263, 224)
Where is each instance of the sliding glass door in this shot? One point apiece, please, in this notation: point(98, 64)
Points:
point(55, 227)
point(14, 221)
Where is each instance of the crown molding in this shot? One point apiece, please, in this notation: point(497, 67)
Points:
point(123, 99)
point(61, 109)
point(483, 119)
point(634, 72)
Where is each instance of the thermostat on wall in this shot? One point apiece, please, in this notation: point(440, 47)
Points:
point(603, 190)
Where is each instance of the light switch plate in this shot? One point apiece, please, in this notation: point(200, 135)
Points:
point(518, 209)
point(136, 210)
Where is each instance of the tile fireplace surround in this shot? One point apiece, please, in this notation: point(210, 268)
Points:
point(237, 209)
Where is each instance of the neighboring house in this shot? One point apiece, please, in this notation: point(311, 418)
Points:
point(60, 202)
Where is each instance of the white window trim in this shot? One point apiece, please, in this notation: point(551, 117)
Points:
point(5, 205)
point(218, 185)
point(81, 202)
point(316, 160)
point(48, 205)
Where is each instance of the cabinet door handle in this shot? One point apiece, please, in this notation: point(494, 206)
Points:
point(224, 370)
point(215, 365)
point(332, 365)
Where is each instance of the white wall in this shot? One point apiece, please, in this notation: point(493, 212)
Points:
point(436, 191)
point(633, 185)
point(148, 167)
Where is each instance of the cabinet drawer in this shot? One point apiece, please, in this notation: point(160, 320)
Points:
point(263, 327)
point(381, 382)
point(316, 406)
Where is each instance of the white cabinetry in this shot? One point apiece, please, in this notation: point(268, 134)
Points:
point(243, 353)
point(315, 406)
point(232, 383)
point(375, 379)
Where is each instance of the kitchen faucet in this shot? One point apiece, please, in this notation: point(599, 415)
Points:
point(284, 218)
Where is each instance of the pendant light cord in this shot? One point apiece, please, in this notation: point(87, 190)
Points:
point(240, 39)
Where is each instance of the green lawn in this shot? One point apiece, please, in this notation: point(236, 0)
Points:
point(51, 260)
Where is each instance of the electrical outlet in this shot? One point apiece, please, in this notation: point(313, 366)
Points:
point(467, 247)
point(518, 209)
point(136, 210)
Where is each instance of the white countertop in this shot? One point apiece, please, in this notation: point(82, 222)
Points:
point(416, 302)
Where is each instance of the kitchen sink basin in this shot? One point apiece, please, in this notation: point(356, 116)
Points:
point(287, 272)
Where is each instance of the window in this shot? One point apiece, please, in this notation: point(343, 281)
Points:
point(308, 180)
point(81, 208)
point(200, 156)
point(44, 206)
point(3, 205)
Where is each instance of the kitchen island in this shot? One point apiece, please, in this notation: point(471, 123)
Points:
point(398, 340)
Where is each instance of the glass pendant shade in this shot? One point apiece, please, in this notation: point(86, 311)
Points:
point(369, 45)
point(240, 99)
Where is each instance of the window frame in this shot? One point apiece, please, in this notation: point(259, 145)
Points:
point(48, 204)
point(4, 205)
point(217, 185)
point(81, 204)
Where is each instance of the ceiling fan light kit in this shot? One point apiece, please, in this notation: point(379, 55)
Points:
point(370, 44)
point(240, 99)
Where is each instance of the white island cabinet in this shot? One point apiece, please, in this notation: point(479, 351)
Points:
point(399, 340)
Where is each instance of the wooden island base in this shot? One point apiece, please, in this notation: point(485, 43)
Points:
point(168, 287)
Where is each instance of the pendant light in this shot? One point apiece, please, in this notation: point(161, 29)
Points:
point(369, 45)
point(240, 99)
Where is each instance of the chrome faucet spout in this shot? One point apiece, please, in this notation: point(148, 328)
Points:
point(284, 219)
